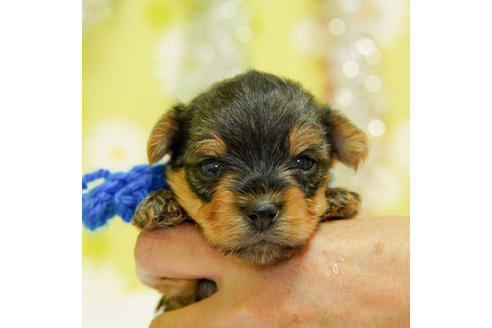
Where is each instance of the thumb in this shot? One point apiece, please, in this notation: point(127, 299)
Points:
point(180, 252)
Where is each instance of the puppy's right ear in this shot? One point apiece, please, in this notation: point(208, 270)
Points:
point(163, 134)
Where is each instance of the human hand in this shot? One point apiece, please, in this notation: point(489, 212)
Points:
point(353, 273)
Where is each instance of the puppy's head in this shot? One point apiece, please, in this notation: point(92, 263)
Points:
point(250, 163)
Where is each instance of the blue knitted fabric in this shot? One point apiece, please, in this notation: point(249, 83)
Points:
point(119, 193)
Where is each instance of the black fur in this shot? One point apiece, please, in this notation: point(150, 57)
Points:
point(253, 113)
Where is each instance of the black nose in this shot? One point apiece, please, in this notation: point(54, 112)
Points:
point(262, 214)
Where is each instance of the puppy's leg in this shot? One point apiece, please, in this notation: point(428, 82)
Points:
point(342, 204)
point(181, 292)
point(158, 210)
point(177, 293)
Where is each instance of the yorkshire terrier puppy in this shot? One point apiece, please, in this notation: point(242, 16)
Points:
point(250, 161)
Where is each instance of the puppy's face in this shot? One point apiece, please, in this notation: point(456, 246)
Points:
point(250, 163)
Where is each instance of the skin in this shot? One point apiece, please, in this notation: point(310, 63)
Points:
point(353, 273)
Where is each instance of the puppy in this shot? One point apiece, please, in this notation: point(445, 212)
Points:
point(250, 164)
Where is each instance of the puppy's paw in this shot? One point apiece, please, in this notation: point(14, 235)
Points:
point(160, 209)
point(342, 204)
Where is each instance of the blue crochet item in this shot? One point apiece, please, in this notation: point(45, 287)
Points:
point(119, 193)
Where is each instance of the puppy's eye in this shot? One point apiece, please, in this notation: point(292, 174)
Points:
point(304, 163)
point(210, 168)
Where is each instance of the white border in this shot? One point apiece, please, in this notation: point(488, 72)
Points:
point(451, 164)
point(40, 135)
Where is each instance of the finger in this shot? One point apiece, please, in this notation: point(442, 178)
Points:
point(177, 252)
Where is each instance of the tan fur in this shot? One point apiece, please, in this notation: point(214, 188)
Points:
point(302, 138)
point(351, 145)
point(301, 215)
point(219, 219)
point(160, 138)
point(317, 203)
point(214, 147)
point(298, 222)
point(186, 198)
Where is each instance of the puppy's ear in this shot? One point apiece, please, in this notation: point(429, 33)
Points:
point(164, 134)
point(349, 143)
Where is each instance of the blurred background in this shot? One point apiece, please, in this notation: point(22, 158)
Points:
point(142, 56)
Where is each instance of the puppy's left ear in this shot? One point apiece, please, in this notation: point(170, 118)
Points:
point(349, 143)
point(164, 134)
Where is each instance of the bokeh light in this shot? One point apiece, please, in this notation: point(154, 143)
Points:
point(337, 26)
point(377, 128)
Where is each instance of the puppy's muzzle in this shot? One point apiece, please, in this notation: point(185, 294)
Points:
point(261, 214)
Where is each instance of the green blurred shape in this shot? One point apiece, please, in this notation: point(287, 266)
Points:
point(158, 13)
